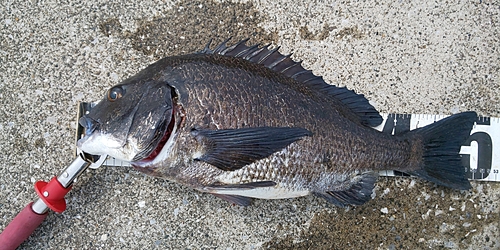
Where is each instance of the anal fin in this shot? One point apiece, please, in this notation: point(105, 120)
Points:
point(358, 193)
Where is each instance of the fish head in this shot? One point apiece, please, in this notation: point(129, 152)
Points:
point(131, 122)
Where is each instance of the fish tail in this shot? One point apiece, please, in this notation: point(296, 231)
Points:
point(441, 161)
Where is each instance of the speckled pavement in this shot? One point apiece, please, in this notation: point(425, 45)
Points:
point(436, 58)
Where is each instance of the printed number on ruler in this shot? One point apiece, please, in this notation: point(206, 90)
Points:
point(480, 158)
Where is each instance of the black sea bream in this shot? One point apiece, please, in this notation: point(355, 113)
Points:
point(246, 122)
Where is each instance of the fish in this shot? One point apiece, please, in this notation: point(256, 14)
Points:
point(245, 121)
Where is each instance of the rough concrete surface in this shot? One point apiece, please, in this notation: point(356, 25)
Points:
point(432, 58)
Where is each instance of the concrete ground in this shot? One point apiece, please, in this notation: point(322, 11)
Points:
point(436, 58)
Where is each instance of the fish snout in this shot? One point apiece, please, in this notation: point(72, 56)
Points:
point(89, 124)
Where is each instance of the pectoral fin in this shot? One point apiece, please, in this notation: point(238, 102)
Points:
point(231, 149)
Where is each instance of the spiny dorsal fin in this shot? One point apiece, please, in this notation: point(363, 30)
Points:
point(274, 60)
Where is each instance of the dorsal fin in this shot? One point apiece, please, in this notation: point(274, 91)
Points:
point(274, 60)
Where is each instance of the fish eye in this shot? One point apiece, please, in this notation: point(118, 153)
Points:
point(115, 93)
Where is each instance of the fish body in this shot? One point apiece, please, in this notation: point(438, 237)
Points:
point(246, 122)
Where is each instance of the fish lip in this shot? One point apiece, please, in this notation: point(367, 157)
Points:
point(82, 140)
point(91, 132)
point(94, 144)
point(89, 124)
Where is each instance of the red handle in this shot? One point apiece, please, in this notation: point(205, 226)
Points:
point(20, 228)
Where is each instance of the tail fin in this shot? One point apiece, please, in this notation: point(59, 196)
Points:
point(442, 141)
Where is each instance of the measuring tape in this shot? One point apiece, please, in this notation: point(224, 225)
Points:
point(480, 157)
